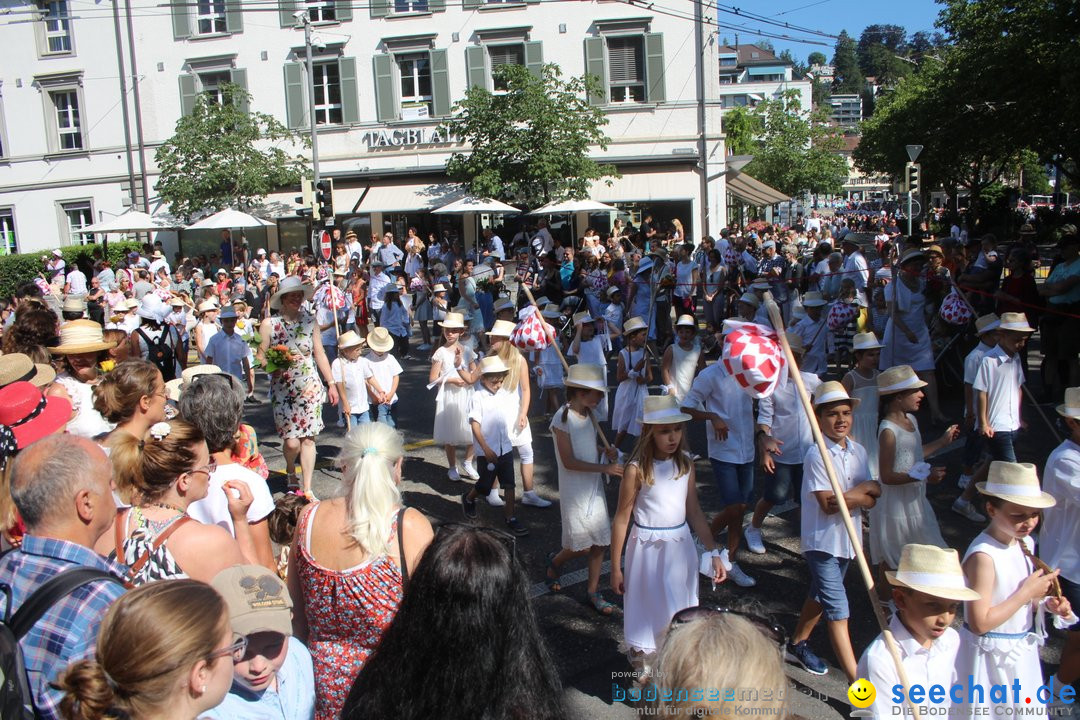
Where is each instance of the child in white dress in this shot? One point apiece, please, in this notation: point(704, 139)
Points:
point(453, 370)
point(586, 528)
point(588, 347)
point(683, 359)
point(659, 495)
point(634, 373)
point(1003, 630)
point(861, 383)
point(549, 369)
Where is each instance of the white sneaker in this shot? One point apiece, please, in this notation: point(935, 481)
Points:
point(739, 577)
point(468, 469)
point(753, 540)
point(963, 507)
point(493, 498)
point(963, 482)
point(452, 473)
point(529, 497)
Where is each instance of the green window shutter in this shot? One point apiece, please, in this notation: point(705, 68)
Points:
point(380, 8)
point(295, 95)
point(440, 83)
point(181, 21)
point(350, 92)
point(234, 16)
point(476, 67)
point(654, 68)
point(188, 94)
point(471, 4)
point(534, 57)
point(285, 13)
point(343, 11)
point(385, 106)
point(437, 6)
point(239, 78)
point(596, 64)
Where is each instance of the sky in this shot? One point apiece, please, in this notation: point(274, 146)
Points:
point(827, 16)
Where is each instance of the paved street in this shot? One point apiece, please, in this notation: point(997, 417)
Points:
point(585, 645)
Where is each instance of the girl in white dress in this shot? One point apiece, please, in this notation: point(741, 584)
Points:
point(1004, 629)
point(683, 359)
point(586, 528)
point(659, 495)
point(549, 369)
point(634, 374)
point(588, 347)
point(903, 513)
point(453, 370)
point(861, 383)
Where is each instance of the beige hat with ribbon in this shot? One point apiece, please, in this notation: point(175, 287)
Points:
point(453, 321)
point(74, 303)
point(932, 570)
point(582, 317)
point(175, 388)
point(492, 364)
point(81, 336)
point(633, 325)
point(207, 306)
point(550, 311)
point(380, 340)
point(587, 376)
point(1070, 408)
point(17, 366)
point(686, 321)
point(898, 379)
point(1017, 483)
point(813, 299)
point(1015, 322)
point(662, 410)
point(501, 328)
point(750, 299)
point(865, 341)
point(986, 323)
point(503, 304)
point(832, 391)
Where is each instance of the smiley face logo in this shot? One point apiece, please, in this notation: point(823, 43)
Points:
point(862, 693)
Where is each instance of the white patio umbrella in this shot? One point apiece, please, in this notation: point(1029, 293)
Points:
point(132, 221)
point(228, 219)
point(470, 205)
point(570, 207)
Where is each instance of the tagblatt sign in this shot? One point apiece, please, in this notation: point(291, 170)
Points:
point(405, 137)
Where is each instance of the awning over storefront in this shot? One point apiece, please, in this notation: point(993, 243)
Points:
point(753, 192)
point(396, 198)
point(682, 184)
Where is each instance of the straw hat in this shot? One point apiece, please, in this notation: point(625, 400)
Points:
point(644, 264)
point(81, 336)
point(813, 299)
point(760, 283)
point(551, 310)
point(503, 304)
point(206, 306)
point(1015, 322)
point(30, 415)
point(380, 340)
point(795, 342)
point(131, 304)
point(865, 341)
point(1070, 408)
point(16, 367)
point(222, 271)
point(633, 325)
point(898, 379)
point(662, 410)
point(492, 364)
point(931, 570)
point(439, 287)
point(74, 303)
point(453, 321)
point(290, 284)
point(934, 250)
point(501, 328)
point(832, 391)
point(349, 339)
point(177, 302)
point(175, 388)
point(686, 321)
point(582, 317)
point(1017, 483)
point(750, 299)
point(912, 254)
point(157, 254)
point(587, 376)
point(207, 283)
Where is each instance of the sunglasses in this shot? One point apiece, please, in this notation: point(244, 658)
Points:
point(766, 626)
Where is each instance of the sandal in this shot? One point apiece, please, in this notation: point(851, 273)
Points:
point(599, 604)
point(292, 482)
point(553, 583)
point(310, 496)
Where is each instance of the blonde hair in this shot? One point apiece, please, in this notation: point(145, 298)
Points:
point(145, 468)
point(118, 394)
point(149, 640)
point(371, 492)
point(511, 357)
point(644, 453)
point(721, 654)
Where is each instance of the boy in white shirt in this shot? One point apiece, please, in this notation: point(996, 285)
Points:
point(613, 317)
point(986, 327)
point(385, 373)
point(352, 374)
point(997, 387)
point(825, 542)
point(928, 588)
point(228, 350)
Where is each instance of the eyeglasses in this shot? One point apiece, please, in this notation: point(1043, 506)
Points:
point(236, 650)
point(768, 628)
point(209, 468)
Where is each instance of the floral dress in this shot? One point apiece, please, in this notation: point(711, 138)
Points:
point(297, 392)
point(347, 612)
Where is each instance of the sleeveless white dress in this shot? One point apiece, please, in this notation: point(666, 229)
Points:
point(592, 353)
point(660, 574)
point(1011, 650)
point(898, 349)
point(629, 397)
point(452, 402)
point(864, 422)
point(582, 504)
point(902, 514)
point(683, 366)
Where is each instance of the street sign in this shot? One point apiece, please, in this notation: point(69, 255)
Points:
point(913, 151)
point(325, 244)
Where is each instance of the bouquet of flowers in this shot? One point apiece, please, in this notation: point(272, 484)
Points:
point(278, 357)
point(485, 285)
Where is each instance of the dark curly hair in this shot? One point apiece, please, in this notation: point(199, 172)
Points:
point(35, 328)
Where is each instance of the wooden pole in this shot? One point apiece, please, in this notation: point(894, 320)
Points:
point(566, 367)
point(853, 534)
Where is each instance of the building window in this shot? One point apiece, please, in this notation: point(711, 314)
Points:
point(79, 215)
point(213, 84)
point(728, 61)
point(411, 6)
point(57, 27)
point(626, 63)
point(322, 11)
point(327, 93)
point(210, 17)
point(500, 55)
point(415, 73)
point(9, 244)
point(68, 123)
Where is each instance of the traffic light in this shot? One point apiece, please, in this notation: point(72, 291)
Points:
point(911, 177)
point(306, 199)
point(324, 199)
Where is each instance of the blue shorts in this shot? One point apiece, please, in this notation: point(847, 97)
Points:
point(784, 484)
point(1071, 591)
point(827, 583)
point(734, 481)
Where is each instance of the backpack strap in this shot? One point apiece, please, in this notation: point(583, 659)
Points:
point(158, 542)
point(401, 546)
point(57, 587)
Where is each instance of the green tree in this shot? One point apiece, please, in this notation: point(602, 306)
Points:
point(742, 126)
point(224, 156)
point(816, 58)
point(531, 144)
point(877, 51)
point(848, 77)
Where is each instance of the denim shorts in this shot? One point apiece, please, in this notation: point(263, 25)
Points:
point(784, 484)
point(827, 583)
point(734, 481)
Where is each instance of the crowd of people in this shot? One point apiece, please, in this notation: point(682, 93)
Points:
point(129, 472)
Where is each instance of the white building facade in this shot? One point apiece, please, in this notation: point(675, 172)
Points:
point(750, 74)
point(386, 72)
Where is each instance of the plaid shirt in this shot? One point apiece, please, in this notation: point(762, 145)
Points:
point(68, 631)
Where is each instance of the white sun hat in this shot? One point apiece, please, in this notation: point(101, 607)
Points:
point(932, 570)
point(1017, 483)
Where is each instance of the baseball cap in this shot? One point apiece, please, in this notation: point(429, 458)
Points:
point(257, 598)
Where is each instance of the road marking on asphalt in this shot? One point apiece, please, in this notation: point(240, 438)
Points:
point(419, 444)
point(567, 579)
